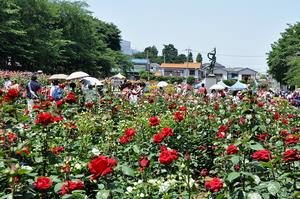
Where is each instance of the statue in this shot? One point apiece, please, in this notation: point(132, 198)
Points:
point(212, 57)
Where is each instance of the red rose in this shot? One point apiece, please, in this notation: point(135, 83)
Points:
point(285, 121)
point(11, 94)
point(221, 135)
point(182, 108)
point(71, 98)
point(291, 139)
point(57, 150)
point(167, 132)
point(231, 149)
point(223, 128)
point(291, 115)
point(295, 129)
point(172, 106)
point(58, 119)
point(211, 116)
point(214, 185)
point(237, 167)
point(43, 183)
point(23, 151)
point(59, 103)
point(260, 104)
point(144, 163)
point(44, 119)
point(89, 104)
point(276, 115)
point(70, 186)
point(124, 139)
point(158, 137)
point(284, 132)
point(178, 116)
point(291, 155)
point(101, 166)
point(154, 121)
point(168, 156)
point(262, 155)
point(216, 106)
point(130, 132)
point(204, 172)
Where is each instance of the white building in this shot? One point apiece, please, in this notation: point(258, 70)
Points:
point(182, 70)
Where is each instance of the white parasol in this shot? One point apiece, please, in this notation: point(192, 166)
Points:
point(162, 84)
point(119, 76)
point(92, 81)
point(77, 75)
point(58, 76)
point(217, 87)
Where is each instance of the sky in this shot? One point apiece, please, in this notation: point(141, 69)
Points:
point(241, 30)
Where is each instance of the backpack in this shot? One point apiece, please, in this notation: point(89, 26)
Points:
point(56, 94)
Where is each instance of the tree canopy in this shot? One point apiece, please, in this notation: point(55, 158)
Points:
point(199, 58)
point(57, 36)
point(284, 57)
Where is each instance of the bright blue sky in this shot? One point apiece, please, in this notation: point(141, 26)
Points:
point(238, 28)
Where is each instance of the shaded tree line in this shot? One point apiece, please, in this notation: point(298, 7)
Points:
point(169, 55)
point(284, 57)
point(57, 37)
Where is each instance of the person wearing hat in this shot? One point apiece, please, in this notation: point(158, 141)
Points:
point(32, 89)
point(7, 82)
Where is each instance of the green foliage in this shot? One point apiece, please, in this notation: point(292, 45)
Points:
point(170, 53)
point(151, 53)
point(57, 36)
point(199, 58)
point(191, 80)
point(281, 59)
point(190, 57)
point(229, 82)
point(181, 58)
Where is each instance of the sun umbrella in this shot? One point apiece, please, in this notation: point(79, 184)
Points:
point(162, 84)
point(77, 75)
point(222, 84)
point(238, 86)
point(216, 87)
point(92, 81)
point(58, 76)
point(119, 76)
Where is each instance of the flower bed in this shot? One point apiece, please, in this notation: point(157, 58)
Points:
point(162, 147)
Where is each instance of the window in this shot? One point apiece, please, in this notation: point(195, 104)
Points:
point(192, 72)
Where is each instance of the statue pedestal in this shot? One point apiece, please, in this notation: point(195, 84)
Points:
point(209, 81)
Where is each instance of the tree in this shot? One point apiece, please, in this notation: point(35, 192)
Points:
point(170, 53)
point(199, 58)
point(293, 75)
point(281, 59)
point(181, 58)
point(190, 57)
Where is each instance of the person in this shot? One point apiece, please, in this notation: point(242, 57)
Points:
point(202, 90)
point(55, 91)
point(32, 89)
point(213, 94)
point(14, 85)
point(7, 83)
point(90, 95)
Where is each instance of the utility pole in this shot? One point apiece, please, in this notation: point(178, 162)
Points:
point(187, 61)
point(164, 57)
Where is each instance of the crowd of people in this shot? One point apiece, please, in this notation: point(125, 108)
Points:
point(34, 90)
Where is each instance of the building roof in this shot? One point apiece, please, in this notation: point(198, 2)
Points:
point(238, 69)
point(140, 61)
point(217, 65)
point(182, 65)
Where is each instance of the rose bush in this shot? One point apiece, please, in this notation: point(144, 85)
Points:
point(166, 146)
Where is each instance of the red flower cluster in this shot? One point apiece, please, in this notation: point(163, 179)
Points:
point(101, 166)
point(154, 121)
point(262, 155)
point(214, 185)
point(57, 150)
point(260, 104)
point(144, 163)
point(23, 151)
point(59, 103)
point(10, 138)
point(70, 186)
point(204, 172)
point(222, 131)
point(285, 121)
point(89, 104)
point(71, 98)
point(159, 137)
point(178, 116)
point(167, 156)
point(276, 116)
point(172, 106)
point(42, 183)
point(11, 95)
point(291, 139)
point(127, 137)
point(182, 108)
point(231, 149)
point(291, 155)
point(262, 137)
point(45, 119)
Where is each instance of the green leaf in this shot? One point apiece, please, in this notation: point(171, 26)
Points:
point(101, 186)
point(235, 159)
point(273, 187)
point(127, 171)
point(57, 187)
point(136, 149)
point(254, 195)
point(103, 194)
point(220, 196)
point(232, 176)
point(256, 146)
